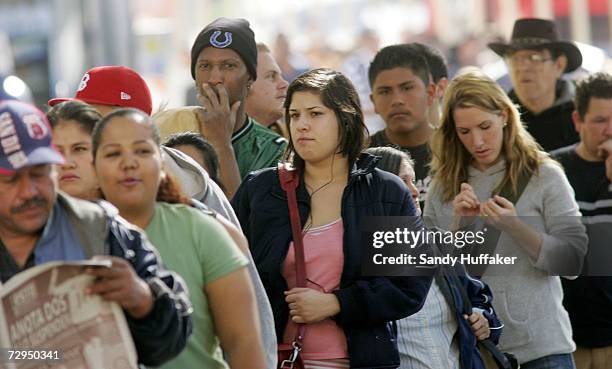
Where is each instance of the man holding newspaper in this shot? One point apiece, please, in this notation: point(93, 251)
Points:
point(39, 225)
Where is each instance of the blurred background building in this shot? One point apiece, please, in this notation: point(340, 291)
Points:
point(49, 44)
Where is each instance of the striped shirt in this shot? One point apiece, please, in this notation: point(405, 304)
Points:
point(426, 340)
point(588, 299)
point(327, 364)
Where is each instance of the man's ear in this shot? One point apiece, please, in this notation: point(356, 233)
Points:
point(373, 103)
point(560, 65)
point(441, 87)
point(577, 121)
point(431, 93)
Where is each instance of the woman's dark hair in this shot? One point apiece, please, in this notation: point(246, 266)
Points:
point(201, 144)
point(338, 94)
point(390, 158)
point(84, 114)
point(168, 191)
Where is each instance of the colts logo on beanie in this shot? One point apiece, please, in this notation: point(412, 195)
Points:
point(214, 39)
point(228, 33)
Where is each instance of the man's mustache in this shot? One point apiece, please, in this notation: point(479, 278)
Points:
point(33, 202)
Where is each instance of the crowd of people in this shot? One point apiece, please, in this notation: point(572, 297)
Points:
point(212, 267)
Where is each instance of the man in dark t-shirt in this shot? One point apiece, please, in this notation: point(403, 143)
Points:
point(588, 166)
point(402, 92)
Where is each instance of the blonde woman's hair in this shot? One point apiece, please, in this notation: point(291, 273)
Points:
point(451, 160)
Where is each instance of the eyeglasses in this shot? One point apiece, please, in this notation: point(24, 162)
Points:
point(534, 59)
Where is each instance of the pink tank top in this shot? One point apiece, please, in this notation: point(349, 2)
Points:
point(324, 263)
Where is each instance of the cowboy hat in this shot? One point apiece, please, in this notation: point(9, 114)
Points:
point(534, 33)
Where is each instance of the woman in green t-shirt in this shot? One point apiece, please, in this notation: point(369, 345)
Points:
point(129, 167)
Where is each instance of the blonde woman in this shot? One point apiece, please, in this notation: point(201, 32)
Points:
point(480, 148)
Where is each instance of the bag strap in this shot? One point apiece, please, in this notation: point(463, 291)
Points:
point(502, 361)
point(289, 181)
point(507, 193)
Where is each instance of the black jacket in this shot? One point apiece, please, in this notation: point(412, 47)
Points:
point(368, 305)
point(552, 128)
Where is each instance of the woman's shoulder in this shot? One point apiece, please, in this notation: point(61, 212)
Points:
point(186, 215)
point(550, 171)
point(261, 177)
point(386, 178)
point(388, 183)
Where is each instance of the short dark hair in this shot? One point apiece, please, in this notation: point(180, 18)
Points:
point(390, 158)
point(435, 60)
point(201, 144)
point(338, 94)
point(598, 85)
point(84, 114)
point(399, 56)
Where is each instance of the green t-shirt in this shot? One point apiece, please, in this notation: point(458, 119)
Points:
point(198, 248)
point(257, 147)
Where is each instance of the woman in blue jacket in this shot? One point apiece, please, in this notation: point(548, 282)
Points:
point(349, 317)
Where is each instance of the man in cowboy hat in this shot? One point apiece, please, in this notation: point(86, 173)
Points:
point(537, 59)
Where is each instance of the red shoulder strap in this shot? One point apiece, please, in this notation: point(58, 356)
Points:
point(289, 181)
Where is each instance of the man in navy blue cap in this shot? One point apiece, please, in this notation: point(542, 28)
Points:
point(39, 225)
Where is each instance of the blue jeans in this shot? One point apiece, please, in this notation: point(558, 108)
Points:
point(560, 361)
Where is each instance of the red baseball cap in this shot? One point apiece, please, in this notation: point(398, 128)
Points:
point(112, 85)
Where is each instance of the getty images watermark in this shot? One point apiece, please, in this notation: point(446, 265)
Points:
point(403, 237)
point(401, 246)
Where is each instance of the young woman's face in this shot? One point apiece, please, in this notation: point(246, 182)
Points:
point(77, 176)
point(314, 127)
point(482, 133)
point(406, 174)
point(128, 164)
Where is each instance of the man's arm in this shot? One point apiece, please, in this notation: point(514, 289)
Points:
point(161, 334)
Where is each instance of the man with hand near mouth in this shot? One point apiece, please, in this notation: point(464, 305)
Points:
point(537, 60)
point(588, 166)
point(402, 93)
point(224, 67)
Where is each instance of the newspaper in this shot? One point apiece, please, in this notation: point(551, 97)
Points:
point(45, 314)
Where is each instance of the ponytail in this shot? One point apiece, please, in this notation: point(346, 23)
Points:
point(169, 191)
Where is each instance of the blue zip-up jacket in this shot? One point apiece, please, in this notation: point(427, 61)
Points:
point(368, 305)
point(481, 298)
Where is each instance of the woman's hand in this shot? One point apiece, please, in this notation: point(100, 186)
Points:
point(479, 325)
point(466, 203)
point(500, 213)
point(310, 306)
